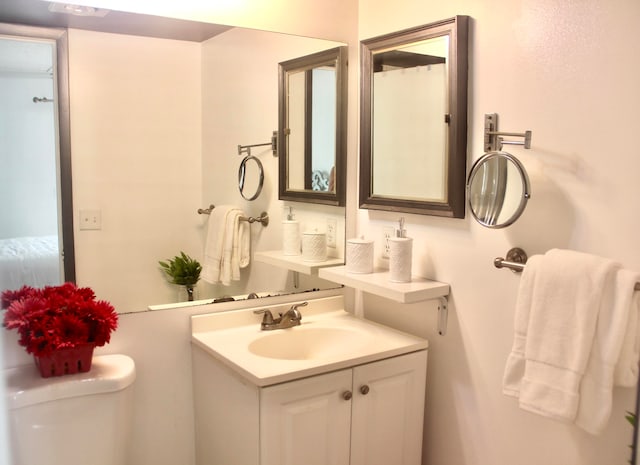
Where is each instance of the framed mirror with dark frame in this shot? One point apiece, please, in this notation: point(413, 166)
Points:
point(312, 128)
point(413, 119)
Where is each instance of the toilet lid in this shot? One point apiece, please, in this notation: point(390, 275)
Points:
point(109, 373)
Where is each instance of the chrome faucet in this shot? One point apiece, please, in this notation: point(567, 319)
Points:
point(291, 318)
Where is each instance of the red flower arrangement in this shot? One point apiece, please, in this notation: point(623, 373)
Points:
point(58, 317)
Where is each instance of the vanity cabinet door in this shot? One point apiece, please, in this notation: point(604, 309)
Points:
point(388, 411)
point(307, 421)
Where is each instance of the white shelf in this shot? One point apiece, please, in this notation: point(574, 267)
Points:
point(294, 262)
point(378, 283)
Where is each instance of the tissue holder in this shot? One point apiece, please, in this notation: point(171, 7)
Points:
point(359, 256)
point(314, 246)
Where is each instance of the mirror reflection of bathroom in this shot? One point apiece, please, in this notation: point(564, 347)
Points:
point(31, 228)
point(187, 156)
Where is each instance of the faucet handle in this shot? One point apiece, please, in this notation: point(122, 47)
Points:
point(293, 311)
point(268, 316)
point(295, 306)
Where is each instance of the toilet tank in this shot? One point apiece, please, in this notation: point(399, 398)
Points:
point(83, 418)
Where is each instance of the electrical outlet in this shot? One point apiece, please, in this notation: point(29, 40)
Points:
point(387, 232)
point(332, 225)
point(90, 219)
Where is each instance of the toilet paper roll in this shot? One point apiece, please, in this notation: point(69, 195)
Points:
point(290, 237)
point(400, 249)
point(314, 246)
point(359, 256)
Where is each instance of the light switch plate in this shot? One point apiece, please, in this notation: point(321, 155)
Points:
point(90, 220)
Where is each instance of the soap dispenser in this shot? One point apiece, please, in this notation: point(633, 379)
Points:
point(400, 250)
point(290, 235)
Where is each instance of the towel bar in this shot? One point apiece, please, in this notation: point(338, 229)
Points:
point(516, 261)
point(263, 219)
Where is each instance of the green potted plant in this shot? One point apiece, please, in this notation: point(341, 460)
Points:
point(184, 271)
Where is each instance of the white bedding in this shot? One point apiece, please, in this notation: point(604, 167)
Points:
point(32, 261)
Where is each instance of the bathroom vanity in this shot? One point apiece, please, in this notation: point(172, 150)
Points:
point(334, 390)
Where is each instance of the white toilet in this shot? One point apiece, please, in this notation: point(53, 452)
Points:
point(77, 419)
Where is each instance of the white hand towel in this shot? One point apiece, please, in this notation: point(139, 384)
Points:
point(214, 244)
point(596, 387)
point(567, 294)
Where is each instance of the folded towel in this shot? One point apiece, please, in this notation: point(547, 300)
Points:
point(214, 244)
point(566, 298)
point(230, 268)
point(596, 387)
point(227, 246)
point(514, 370)
point(244, 244)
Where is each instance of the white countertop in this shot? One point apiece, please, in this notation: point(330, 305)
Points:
point(227, 337)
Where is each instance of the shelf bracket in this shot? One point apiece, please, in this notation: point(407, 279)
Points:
point(493, 139)
point(443, 315)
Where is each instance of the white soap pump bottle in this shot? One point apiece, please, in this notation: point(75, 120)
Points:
point(400, 255)
point(290, 235)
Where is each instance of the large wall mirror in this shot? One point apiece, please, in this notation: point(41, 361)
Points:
point(413, 119)
point(312, 127)
point(157, 108)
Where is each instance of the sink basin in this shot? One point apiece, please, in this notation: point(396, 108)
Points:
point(302, 343)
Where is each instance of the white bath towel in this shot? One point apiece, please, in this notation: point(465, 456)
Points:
point(566, 297)
point(514, 370)
point(615, 318)
point(214, 243)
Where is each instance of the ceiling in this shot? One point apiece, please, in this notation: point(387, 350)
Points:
point(36, 13)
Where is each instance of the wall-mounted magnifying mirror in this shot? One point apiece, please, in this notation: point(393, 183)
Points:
point(498, 189)
point(312, 128)
point(413, 120)
point(250, 177)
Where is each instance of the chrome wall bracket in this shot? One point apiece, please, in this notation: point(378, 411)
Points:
point(443, 315)
point(494, 140)
point(274, 145)
point(515, 261)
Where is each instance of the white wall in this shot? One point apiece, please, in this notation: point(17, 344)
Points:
point(562, 69)
point(135, 142)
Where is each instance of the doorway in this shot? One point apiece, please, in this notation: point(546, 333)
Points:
point(36, 215)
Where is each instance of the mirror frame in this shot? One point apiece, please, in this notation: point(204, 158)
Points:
point(454, 205)
point(339, 56)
